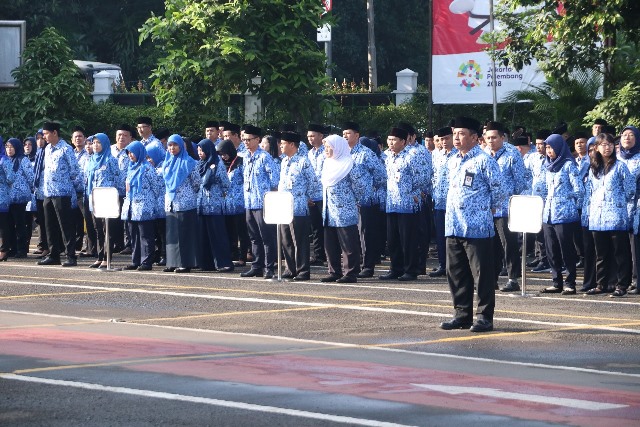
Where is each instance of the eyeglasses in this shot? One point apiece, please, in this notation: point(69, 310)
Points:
point(143, 126)
point(606, 144)
point(249, 139)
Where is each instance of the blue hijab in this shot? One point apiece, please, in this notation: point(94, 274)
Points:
point(561, 149)
point(3, 153)
point(156, 153)
point(18, 148)
point(98, 160)
point(627, 154)
point(204, 165)
point(135, 171)
point(176, 168)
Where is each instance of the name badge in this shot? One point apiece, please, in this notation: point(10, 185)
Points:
point(468, 179)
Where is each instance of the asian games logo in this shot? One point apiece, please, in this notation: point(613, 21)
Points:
point(471, 74)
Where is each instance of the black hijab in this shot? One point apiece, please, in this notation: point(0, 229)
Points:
point(226, 147)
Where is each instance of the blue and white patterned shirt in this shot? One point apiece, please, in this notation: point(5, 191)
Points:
point(420, 160)
point(186, 197)
point(298, 178)
point(234, 197)
point(82, 157)
point(441, 179)
point(144, 205)
point(62, 174)
point(123, 165)
point(633, 164)
point(475, 188)
point(211, 201)
point(606, 199)
point(260, 176)
point(403, 184)
point(513, 174)
point(368, 172)
point(22, 186)
point(7, 176)
point(106, 176)
point(316, 157)
point(564, 195)
point(339, 208)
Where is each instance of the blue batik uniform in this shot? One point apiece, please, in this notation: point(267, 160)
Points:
point(440, 180)
point(606, 199)
point(298, 178)
point(186, 197)
point(7, 177)
point(82, 157)
point(234, 197)
point(61, 171)
point(316, 158)
point(242, 151)
point(144, 205)
point(403, 184)
point(22, 186)
point(339, 203)
point(368, 172)
point(260, 176)
point(211, 200)
point(564, 195)
point(122, 160)
point(421, 161)
point(513, 174)
point(475, 188)
point(150, 140)
point(105, 176)
point(633, 165)
point(583, 167)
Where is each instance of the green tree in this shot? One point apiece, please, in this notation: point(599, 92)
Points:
point(213, 48)
point(50, 86)
point(585, 35)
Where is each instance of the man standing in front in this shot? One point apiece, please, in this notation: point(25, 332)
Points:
point(475, 191)
point(315, 134)
point(260, 176)
point(61, 172)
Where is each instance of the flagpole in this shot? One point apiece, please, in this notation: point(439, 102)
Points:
point(493, 64)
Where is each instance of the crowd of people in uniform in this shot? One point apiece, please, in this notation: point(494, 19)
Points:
point(190, 203)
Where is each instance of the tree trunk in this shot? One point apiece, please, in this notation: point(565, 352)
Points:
point(373, 70)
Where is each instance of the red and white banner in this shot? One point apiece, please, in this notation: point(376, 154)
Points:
point(461, 70)
point(328, 4)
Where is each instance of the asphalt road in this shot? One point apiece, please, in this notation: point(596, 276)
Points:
point(83, 347)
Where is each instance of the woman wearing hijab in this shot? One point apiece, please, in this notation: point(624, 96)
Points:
point(30, 149)
point(101, 171)
point(213, 252)
point(182, 182)
point(20, 195)
point(560, 219)
point(630, 155)
point(608, 191)
point(233, 207)
point(142, 189)
point(340, 212)
point(7, 176)
point(155, 157)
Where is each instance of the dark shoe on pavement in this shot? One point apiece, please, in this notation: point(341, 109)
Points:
point(619, 292)
point(585, 288)
point(633, 290)
point(541, 268)
point(144, 267)
point(455, 323)
point(226, 269)
point(406, 277)
point(287, 275)
point(438, 273)
point(131, 267)
point(391, 275)
point(347, 279)
point(552, 290)
point(126, 251)
point(169, 269)
point(330, 278)
point(96, 264)
point(254, 272)
point(70, 262)
point(568, 291)
point(511, 286)
point(161, 262)
point(481, 325)
point(268, 274)
point(88, 255)
point(301, 278)
point(49, 261)
point(365, 274)
point(182, 270)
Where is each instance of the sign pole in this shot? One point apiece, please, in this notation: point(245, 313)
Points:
point(524, 264)
point(279, 241)
point(106, 205)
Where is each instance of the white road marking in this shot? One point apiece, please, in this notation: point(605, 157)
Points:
point(203, 400)
point(549, 400)
point(348, 345)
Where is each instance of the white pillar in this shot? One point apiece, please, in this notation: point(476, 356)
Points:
point(252, 105)
point(102, 86)
point(406, 85)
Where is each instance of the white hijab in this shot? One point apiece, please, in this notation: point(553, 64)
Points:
point(339, 165)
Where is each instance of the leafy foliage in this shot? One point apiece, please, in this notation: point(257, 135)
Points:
point(50, 86)
point(620, 109)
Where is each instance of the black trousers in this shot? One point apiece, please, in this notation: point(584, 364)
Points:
point(85, 221)
point(505, 244)
point(541, 248)
point(4, 243)
point(100, 227)
point(214, 244)
point(317, 231)
point(58, 218)
point(616, 245)
point(142, 242)
point(160, 228)
point(441, 241)
point(237, 233)
point(342, 245)
point(558, 239)
point(15, 236)
point(589, 255)
point(263, 240)
point(295, 245)
point(120, 234)
point(470, 263)
point(369, 239)
point(43, 243)
point(424, 233)
point(403, 242)
point(78, 220)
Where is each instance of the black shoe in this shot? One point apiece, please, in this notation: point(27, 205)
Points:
point(287, 275)
point(552, 290)
point(347, 279)
point(88, 255)
point(438, 273)
point(511, 286)
point(268, 274)
point(169, 269)
point(455, 323)
point(225, 269)
point(330, 278)
point(481, 325)
point(70, 262)
point(365, 274)
point(96, 264)
point(182, 270)
point(541, 268)
point(254, 272)
point(38, 251)
point(161, 262)
point(391, 275)
point(144, 267)
point(125, 251)
point(633, 290)
point(586, 288)
point(503, 272)
point(568, 291)
point(301, 278)
point(49, 261)
point(406, 277)
point(131, 267)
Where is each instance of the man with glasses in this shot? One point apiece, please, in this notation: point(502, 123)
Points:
point(232, 133)
point(83, 216)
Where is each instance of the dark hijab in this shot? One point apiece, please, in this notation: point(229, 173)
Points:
point(34, 148)
point(19, 152)
point(207, 165)
point(627, 154)
point(226, 147)
point(561, 149)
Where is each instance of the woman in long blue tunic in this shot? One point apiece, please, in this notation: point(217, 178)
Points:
point(20, 195)
point(7, 176)
point(155, 157)
point(101, 171)
point(180, 202)
point(213, 252)
point(142, 190)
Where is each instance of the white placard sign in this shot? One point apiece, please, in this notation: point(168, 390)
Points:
point(106, 203)
point(525, 214)
point(278, 207)
point(324, 33)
